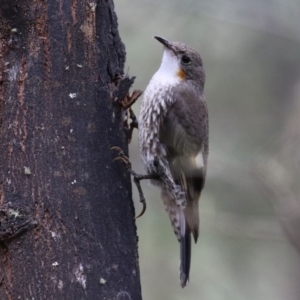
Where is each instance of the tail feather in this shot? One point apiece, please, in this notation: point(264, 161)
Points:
point(191, 213)
point(190, 177)
point(185, 251)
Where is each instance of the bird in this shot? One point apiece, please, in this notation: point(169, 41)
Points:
point(174, 140)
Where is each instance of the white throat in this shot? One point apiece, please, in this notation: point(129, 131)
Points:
point(167, 72)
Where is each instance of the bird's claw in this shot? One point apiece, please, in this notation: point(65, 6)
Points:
point(117, 148)
point(122, 157)
point(143, 209)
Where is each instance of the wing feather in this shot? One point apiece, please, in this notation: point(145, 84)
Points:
point(184, 131)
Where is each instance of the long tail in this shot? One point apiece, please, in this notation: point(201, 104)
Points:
point(185, 251)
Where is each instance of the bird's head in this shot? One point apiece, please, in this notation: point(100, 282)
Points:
point(181, 61)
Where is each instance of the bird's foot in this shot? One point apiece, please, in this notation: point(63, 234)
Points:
point(122, 157)
point(136, 177)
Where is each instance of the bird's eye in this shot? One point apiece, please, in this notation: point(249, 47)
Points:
point(185, 59)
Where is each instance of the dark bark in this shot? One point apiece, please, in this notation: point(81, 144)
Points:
point(67, 226)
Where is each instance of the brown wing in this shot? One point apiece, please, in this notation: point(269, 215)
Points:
point(184, 131)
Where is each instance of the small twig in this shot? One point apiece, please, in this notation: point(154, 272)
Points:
point(129, 100)
point(133, 124)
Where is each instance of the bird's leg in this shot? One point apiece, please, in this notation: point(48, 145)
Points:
point(136, 177)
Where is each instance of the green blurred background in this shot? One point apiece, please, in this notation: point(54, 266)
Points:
point(250, 207)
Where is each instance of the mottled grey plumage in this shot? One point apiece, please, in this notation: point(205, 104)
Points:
point(173, 139)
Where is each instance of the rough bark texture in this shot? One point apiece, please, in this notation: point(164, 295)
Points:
point(67, 226)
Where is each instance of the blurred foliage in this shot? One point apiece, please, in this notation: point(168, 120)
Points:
point(250, 207)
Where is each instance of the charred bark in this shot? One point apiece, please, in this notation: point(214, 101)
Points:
point(67, 226)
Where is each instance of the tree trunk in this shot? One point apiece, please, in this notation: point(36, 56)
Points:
point(67, 227)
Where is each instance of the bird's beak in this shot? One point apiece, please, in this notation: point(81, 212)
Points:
point(166, 43)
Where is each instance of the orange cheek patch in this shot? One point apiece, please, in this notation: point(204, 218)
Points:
point(181, 74)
